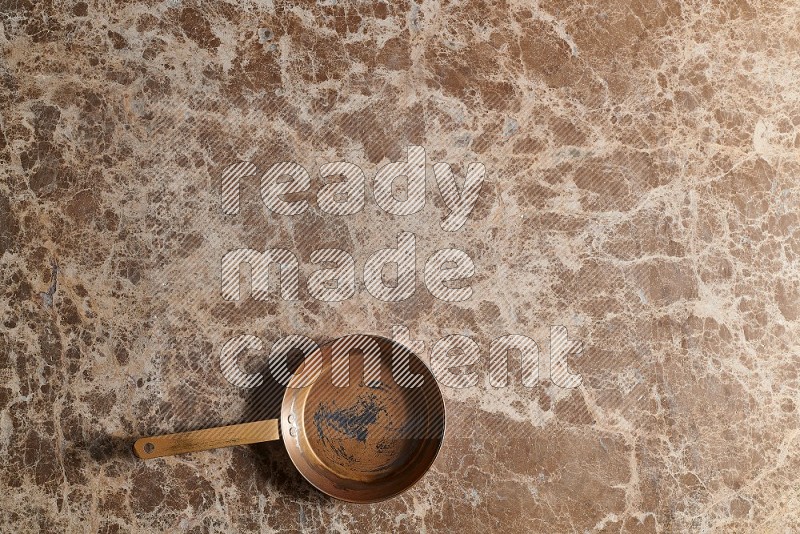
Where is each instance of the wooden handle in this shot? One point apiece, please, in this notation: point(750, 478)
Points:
point(203, 440)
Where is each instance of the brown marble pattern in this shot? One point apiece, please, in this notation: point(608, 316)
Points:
point(642, 190)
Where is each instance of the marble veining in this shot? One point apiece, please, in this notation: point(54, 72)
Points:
point(642, 190)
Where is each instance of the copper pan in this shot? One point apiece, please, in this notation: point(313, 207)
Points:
point(350, 428)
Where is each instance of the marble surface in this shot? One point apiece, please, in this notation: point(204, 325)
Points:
point(642, 191)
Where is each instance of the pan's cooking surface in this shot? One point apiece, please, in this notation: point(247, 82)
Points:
point(362, 431)
point(373, 435)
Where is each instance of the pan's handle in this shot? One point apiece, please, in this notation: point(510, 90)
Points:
point(210, 438)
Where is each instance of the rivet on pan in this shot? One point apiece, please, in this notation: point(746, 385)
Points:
point(291, 419)
point(293, 431)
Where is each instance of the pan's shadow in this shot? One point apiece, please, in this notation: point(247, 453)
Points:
point(263, 403)
point(104, 448)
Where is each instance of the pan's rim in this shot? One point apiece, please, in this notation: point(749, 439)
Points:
point(285, 435)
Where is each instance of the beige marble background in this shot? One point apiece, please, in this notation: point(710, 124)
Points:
point(642, 190)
